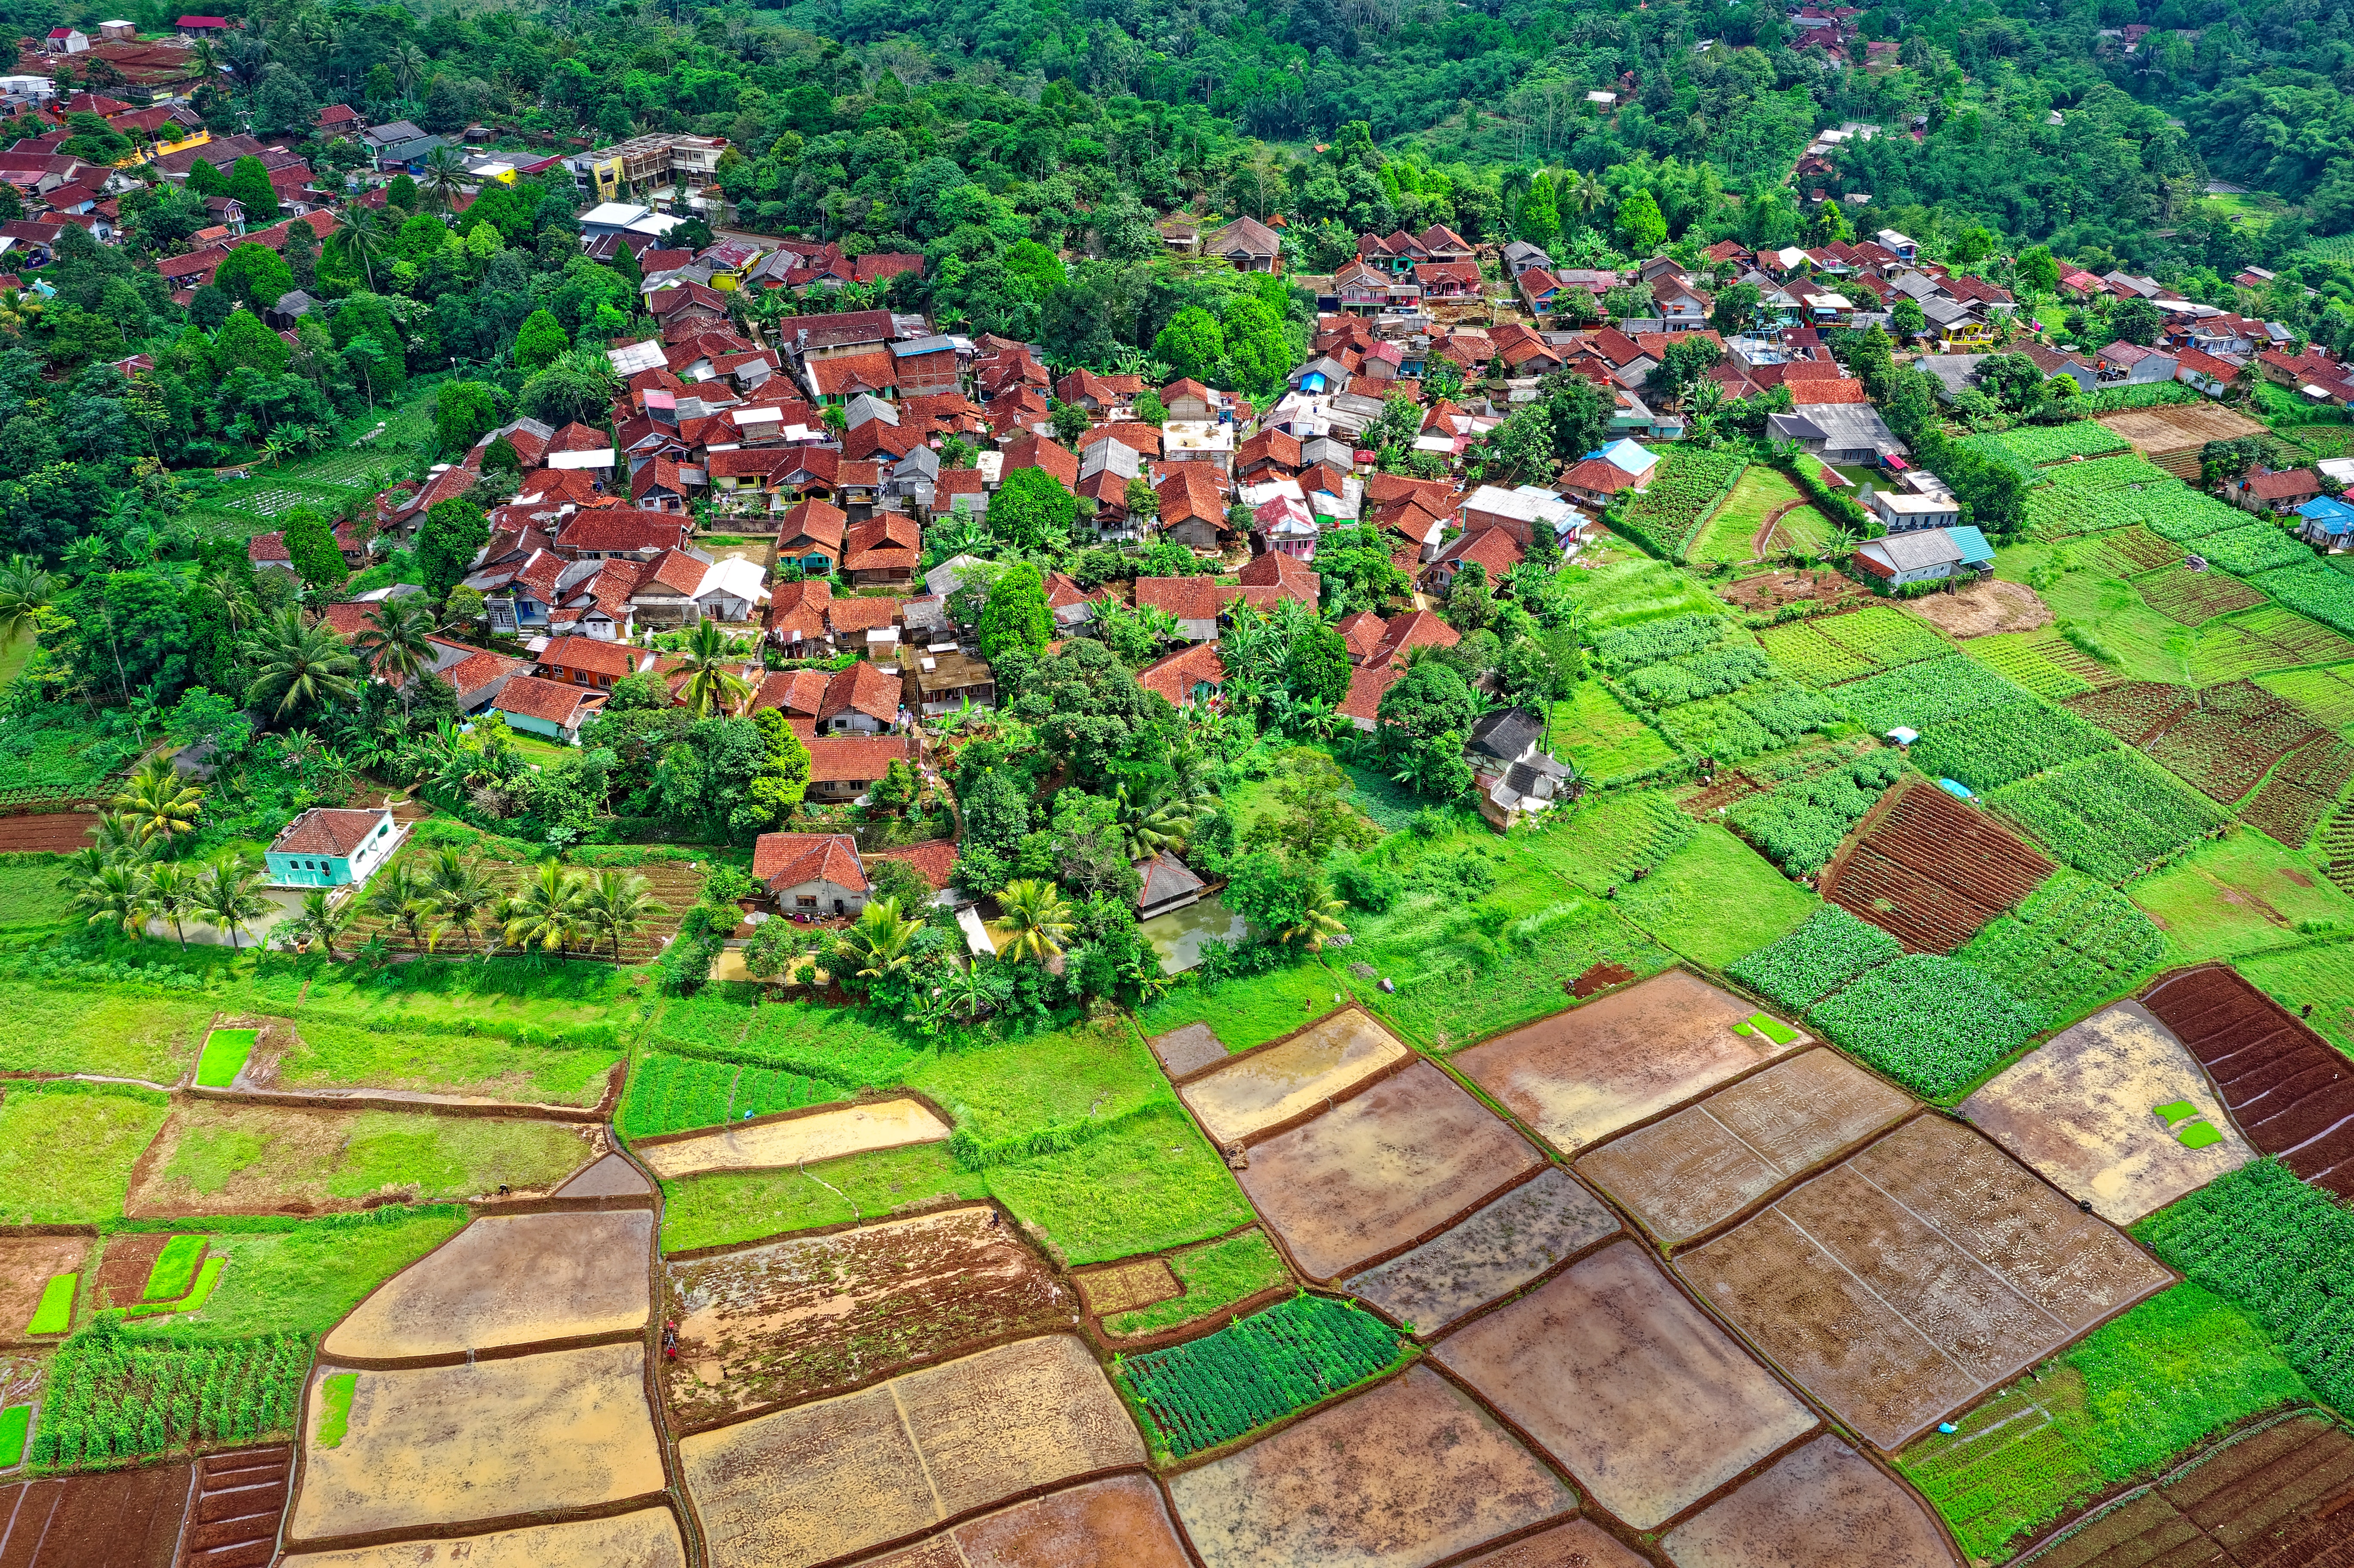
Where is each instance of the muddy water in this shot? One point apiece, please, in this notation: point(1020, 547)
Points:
point(1323, 1061)
point(1178, 937)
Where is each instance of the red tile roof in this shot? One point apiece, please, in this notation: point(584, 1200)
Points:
point(324, 829)
point(551, 701)
point(783, 861)
point(800, 693)
point(1414, 629)
point(1366, 684)
point(1175, 676)
point(850, 373)
point(588, 654)
point(856, 759)
point(863, 688)
point(814, 520)
point(1291, 577)
point(621, 529)
point(890, 542)
point(1841, 390)
point(1187, 599)
point(1191, 491)
point(862, 613)
point(1037, 451)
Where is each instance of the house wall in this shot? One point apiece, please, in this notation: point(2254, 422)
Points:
point(820, 897)
point(335, 870)
point(532, 725)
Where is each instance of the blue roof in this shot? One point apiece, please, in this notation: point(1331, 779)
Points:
point(1630, 456)
point(2322, 509)
point(1971, 543)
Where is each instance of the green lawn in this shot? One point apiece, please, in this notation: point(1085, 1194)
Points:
point(1214, 1275)
point(344, 1055)
point(2146, 644)
point(30, 898)
point(2239, 895)
point(1731, 535)
point(67, 1149)
point(714, 1211)
point(1087, 1073)
point(254, 1158)
point(1252, 1010)
point(503, 995)
point(306, 1278)
point(1716, 899)
point(117, 1033)
point(539, 749)
point(1632, 587)
point(1593, 732)
point(1153, 1181)
point(224, 1057)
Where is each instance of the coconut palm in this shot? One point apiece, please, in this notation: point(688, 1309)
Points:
point(617, 906)
point(409, 65)
point(399, 896)
point(1320, 918)
point(298, 665)
point(228, 896)
point(323, 919)
point(226, 588)
point(396, 643)
point(445, 175)
point(26, 590)
point(158, 803)
point(1035, 921)
point(171, 892)
point(460, 893)
point(1147, 827)
point(710, 683)
point(545, 911)
point(116, 897)
point(359, 239)
point(877, 942)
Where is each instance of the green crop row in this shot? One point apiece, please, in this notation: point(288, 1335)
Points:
point(1622, 647)
point(1920, 696)
point(672, 1094)
point(2074, 942)
point(1666, 517)
point(1711, 672)
point(111, 1398)
point(1831, 948)
point(2312, 588)
point(2056, 443)
point(1214, 1389)
point(174, 1271)
point(2111, 815)
point(1934, 1024)
point(2252, 547)
point(1995, 746)
point(1799, 825)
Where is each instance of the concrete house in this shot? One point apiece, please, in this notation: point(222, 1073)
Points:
point(1901, 559)
point(553, 709)
point(325, 847)
point(811, 874)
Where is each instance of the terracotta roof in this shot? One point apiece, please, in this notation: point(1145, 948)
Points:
point(1597, 474)
point(2285, 485)
point(677, 571)
point(621, 529)
point(588, 654)
point(1493, 548)
point(1362, 632)
point(863, 688)
point(266, 547)
point(856, 759)
point(2199, 362)
point(813, 519)
point(1841, 390)
point(1366, 684)
point(883, 542)
point(852, 373)
point(1036, 451)
point(552, 701)
point(1187, 599)
point(1414, 629)
point(1189, 490)
point(1141, 439)
point(477, 671)
point(793, 859)
point(798, 609)
point(1291, 577)
point(933, 860)
point(1175, 676)
point(799, 692)
point(324, 829)
point(1278, 447)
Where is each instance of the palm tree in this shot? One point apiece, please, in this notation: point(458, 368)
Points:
point(616, 906)
point(396, 642)
point(878, 940)
point(227, 588)
point(1035, 922)
point(158, 803)
point(460, 893)
point(400, 896)
point(25, 591)
point(298, 665)
point(360, 237)
point(1148, 826)
point(545, 911)
point(444, 174)
point(88, 555)
point(116, 897)
point(323, 919)
point(228, 896)
point(409, 65)
point(1319, 916)
point(710, 684)
point(171, 892)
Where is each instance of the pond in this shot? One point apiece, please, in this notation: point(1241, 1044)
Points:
point(1178, 936)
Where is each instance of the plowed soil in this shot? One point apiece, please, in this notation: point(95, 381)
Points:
point(2173, 427)
point(2277, 1498)
point(1123, 1520)
point(1321, 1063)
point(1931, 871)
point(646, 1539)
point(2133, 711)
point(47, 832)
point(451, 1445)
point(1580, 1543)
point(1488, 1256)
point(1898, 1286)
point(1580, 1076)
point(509, 1279)
point(796, 1140)
point(1705, 1164)
point(1645, 1401)
point(1985, 607)
point(1125, 1287)
point(2292, 1094)
point(2081, 1111)
point(124, 1261)
point(842, 1475)
point(240, 1499)
point(611, 1177)
point(1825, 1506)
point(1401, 1475)
point(125, 1518)
point(2297, 794)
point(1382, 1172)
point(784, 1322)
point(1187, 1050)
point(2223, 744)
point(26, 1265)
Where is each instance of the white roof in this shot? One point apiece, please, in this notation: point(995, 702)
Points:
point(603, 457)
point(1891, 240)
point(612, 215)
point(740, 578)
point(631, 358)
point(656, 223)
point(1435, 444)
point(1630, 457)
point(1909, 505)
point(2339, 469)
point(992, 466)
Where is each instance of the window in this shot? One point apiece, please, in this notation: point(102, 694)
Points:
point(805, 901)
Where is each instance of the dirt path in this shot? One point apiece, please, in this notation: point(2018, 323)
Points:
point(1758, 545)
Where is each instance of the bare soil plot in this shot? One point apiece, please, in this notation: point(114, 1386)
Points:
point(1578, 1076)
point(773, 1324)
point(842, 1475)
point(2292, 1094)
point(1382, 1172)
point(2233, 734)
point(1123, 1520)
point(2275, 1497)
point(1125, 1287)
point(1580, 1543)
point(238, 1505)
point(1985, 607)
point(124, 1261)
point(50, 832)
point(1900, 1285)
point(611, 1177)
point(1930, 871)
point(1187, 1050)
point(27, 1264)
point(123, 1519)
point(448, 1444)
point(1824, 1505)
point(646, 1539)
point(1403, 1475)
point(2299, 793)
point(1321, 1063)
point(2112, 1109)
point(796, 1139)
point(1708, 1163)
point(2174, 427)
point(1490, 1255)
point(509, 1279)
point(1645, 1401)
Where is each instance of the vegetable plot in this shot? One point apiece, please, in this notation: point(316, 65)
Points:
point(2312, 588)
point(2057, 443)
point(1666, 518)
point(111, 1398)
point(1923, 694)
point(1996, 746)
point(2074, 942)
point(1934, 1024)
point(1262, 1368)
point(1831, 948)
point(2111, 816)
point(1799, 825)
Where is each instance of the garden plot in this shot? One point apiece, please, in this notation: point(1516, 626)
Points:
point(1488, 1256)
point(647, 1538)
point(2114, 1110)
point(1930, 871)
point(1826, 1506)
point(1227, 1273)
point(1184, 1052)
point(1580, 1543)
point(770, 1325)
point(507, 1280)
point(238, 1503)
point(611, 1177)
point(2299, 792)
point(124, 1261)
point(1208, 1392)
point(1383, 1172)
point(2195, 598)
point(219, 1158)
point(1581, 1074)
point(1900, 1285)
point(2276, 1495)
point(848, 1474)
point(1645, 1401)
point(2227, 740)
point(1709, 1161)
point(122, 1519)
point(2291, 1093)
point(795, 1139)
point(1281, 1083)
point(29, 1266)
point(2134, 711)
point(2044, 664)
point(1123, 1520)
point(446, 1445)
point(1406, 1474)
point(2327, 695)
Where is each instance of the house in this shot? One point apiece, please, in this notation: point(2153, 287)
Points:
point(267, 553)
point(861, 700)
point(1901, 559)
point(1194, 603)
point(2205, 374)
point(328, 847)
point(555, 709)
point(942, 678)
point(809, 535)
point(1247, 245)
point(885, 550)
point(1190, 677)
point(66, 41)
point(845, 766)
point(474, 678)
point(2056, 361)
point(1192, 509)
point(1905, 513)
point(202, 27)
point(1838, 433)
point(811, 874)
point(1494, 550)
point(1521, 510)
point(2135, 365)
point(2328, 524)
point(589, 661)
point(2283, 490)
point(681, 588)
point(1520, 256)
point(1515, 777)
point(1165, 886)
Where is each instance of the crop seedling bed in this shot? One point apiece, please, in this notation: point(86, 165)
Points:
point(2327, 695)
point(1259, 1369)
point(2300, 791)
point(112, 1397)
point(127, 1258)
point(174, 1271)
point(1824, 1505)
point(1489, 1254)
point(1923, 694)
point(1932, 871)
point(1666, 516)
point(30, 1293)
point(223, 1057)
point(2041, 444)
point(2134, 711)
point(1213, 1276)
point(2038, 663)
point(54, 1314)
point(1934, 1024)
point(785, 1322)
point(462, 1294)
point(2291, 1091)
point(2315, 590)
point(2194, 598)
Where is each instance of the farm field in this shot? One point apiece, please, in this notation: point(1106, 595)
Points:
point(2288, 1089)
point(1731, 536)
point(1931, 871)
point(2239, 894)
point(1824, 1501)
point(1488, 1254)
point(1594, 732)
point(462, 1296)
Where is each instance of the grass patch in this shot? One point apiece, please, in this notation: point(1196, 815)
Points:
point(308, 1276)
point(16, 1426)
point(67, 1149)
point(55, 1313)
point(1250, 1010)
point(1612, 837)
point(336, 1408)
point(2320, 976)
point(441, 1061)
point(721, 1210)
point(258, 1157)
point(2239, 895)
point(225, 1052)
point(1593, 732)
point(2146, 645)
point(1632, 588)
point(1214, 1275)
point(1732, 533)
point(174, 1271)
point(1715, 899)
point(674, 1093)
point(854, 1047)
point(1261, 1368)
point(30, 898)
point(1151, 1182)
point(87, 1029)
point(1074, 1082)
